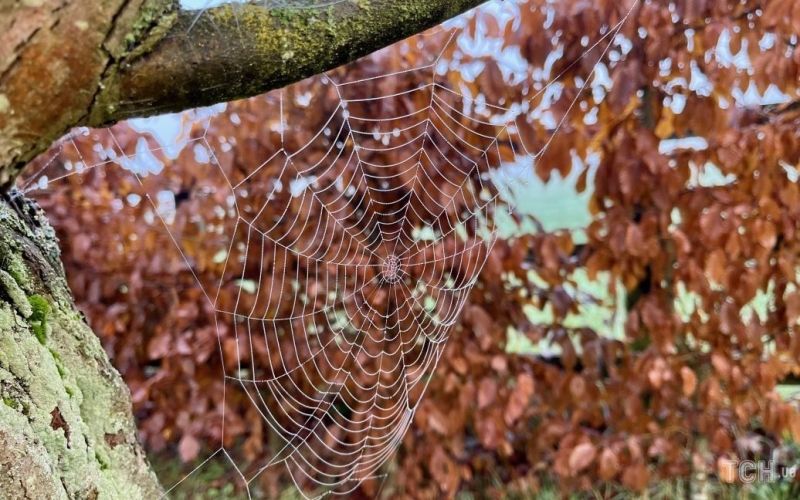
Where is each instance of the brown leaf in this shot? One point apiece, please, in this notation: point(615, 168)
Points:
point(480, 320)
point(581, 457)
point(636, 477)
point(721, 364)
point(437, 421)
point(444, 470)
point(519, 400)
point(499, 364)
point(765, 233)
point(188, 448)
point(792, 308)
point(689, 379)
point(609, 465)
point(487, 391)
point(488, 432)
point(577, 387)
point(715, 265)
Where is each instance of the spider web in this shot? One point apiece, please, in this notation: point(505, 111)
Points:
point(352, 260)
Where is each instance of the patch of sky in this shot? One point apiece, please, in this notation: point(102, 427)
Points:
point(168, 130)
point(792, 173)
point(725, 56)
point(509, 60)
point(625, 46)
point(542, 113)
point(480, 45)
point(550, 14)
point(664, 67)
point(144, 162)
point(201, 154)
point(505, 12)
point(676, 103)
point(591, 118)
point(670, 146)
point(555, 204)
point(471, 70)
point(172, 131)
point(708, 175)
point(699, 82)
point(545, 73)
point(513, 66)
point(598, 309)
point(767, 41)
point(165, 205)
point(751, 96)
point(601, 83)
point(300, 184)
point(690, 40)
point(304, 99)
point(425, 233)
point(133, 199)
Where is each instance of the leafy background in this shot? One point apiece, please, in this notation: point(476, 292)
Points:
point(633, 324)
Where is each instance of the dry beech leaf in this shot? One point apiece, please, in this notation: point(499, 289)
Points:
point(721, 364)
point(609, 465)
point(581, 457)
point(188, 448)
point(793, 308)
point(487, 391)
point(636, 477)
point(689, 379)
point(444, 470)
point(520, 399)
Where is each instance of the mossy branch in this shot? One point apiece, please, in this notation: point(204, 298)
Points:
point(95, 63)
point(240, 50)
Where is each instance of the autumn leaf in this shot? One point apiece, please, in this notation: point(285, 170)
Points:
point(689, 379)
point(188, 447)
point(721, 364)
point(444, 470)
point(487, 391)
point(581, 457)
point(792, 308)
point(609, 465)
point(636, 477)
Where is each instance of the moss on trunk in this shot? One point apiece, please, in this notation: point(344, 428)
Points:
point(66, 428)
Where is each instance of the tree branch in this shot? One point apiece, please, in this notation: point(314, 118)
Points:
point(100, 61)
point(241, 50)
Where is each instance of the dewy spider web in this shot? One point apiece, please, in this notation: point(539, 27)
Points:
point(353, 253)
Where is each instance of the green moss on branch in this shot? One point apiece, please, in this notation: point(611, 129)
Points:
point(240, 50)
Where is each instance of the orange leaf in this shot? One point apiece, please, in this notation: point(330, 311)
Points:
point(487, 390)
point(609, 465)
point(689, 379)
point(636, 477)
point(721, 364)
point(581, 457)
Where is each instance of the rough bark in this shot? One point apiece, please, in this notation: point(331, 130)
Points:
point(66, 427)
point(65, 63)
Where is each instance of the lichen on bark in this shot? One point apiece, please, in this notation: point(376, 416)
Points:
point(61, 397)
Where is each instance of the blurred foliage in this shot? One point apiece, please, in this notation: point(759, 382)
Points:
point(692, 383)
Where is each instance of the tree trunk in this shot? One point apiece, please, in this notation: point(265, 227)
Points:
point(66, 427)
